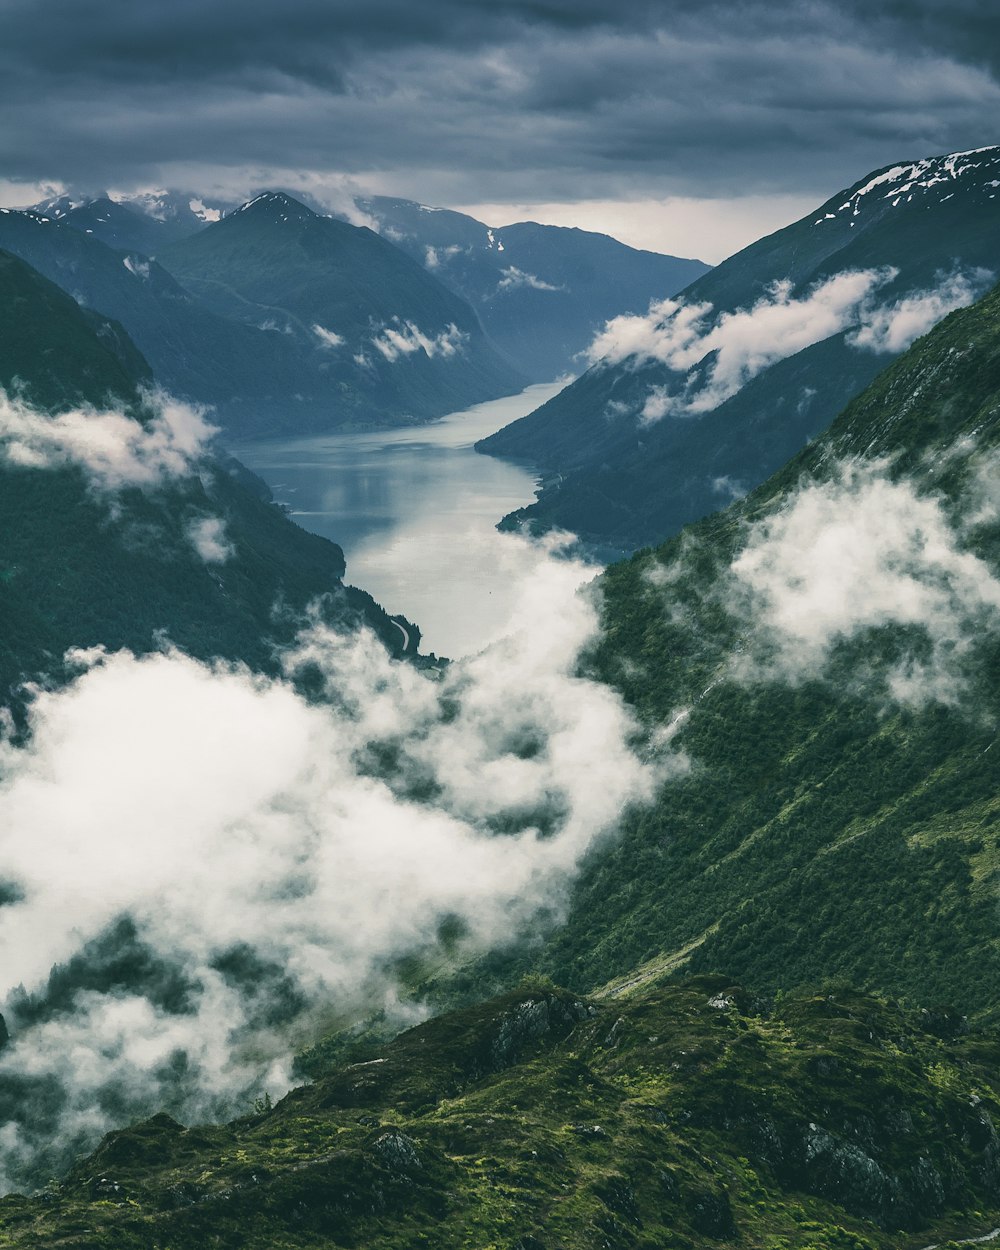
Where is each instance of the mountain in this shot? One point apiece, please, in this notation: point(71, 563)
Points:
point(381, 326)
point(139, 222)
point(263, 369)
point(697, 1115)
point(114, 224)
point(246, 373)
point(56, 353)
point(705, 397)
point(824, 655)
point(541, 292)
point(201, 556)
point(817, 668)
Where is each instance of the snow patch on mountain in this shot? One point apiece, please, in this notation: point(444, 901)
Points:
point(902, 183)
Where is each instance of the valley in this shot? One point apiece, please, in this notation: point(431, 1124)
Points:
point(506, 900)
point(415, 512)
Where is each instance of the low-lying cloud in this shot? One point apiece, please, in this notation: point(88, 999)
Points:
point(208, 537)
point(328, 338)
point(434, 257)
point(858, 552)
point(403, 338)
point(894, 327)
point(513, 279)
point(715, 356)
point(114, 450)
point(263, 859)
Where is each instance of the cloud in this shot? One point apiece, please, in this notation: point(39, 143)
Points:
point(135, 265)
point(328, 338)
point(459, 103)
point(403, 338)
point(208, 537)
point(514, 278)
point(720, 353)
point(434, 256)
point(262, 859)
point(855, 553)
point(113, 450)
point(894, 327)
point(741, 344)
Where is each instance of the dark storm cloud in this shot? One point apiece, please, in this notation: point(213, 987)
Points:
point(475, 101)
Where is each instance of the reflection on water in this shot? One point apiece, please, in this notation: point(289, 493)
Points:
point(415, 510)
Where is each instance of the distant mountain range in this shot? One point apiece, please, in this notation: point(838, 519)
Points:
point(703, 398)
point(379, 330)
point(413, 351)
point(287, 320)
point(541, 292)
point(142, 222)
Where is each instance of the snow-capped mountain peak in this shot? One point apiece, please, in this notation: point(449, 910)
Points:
point(935, 179)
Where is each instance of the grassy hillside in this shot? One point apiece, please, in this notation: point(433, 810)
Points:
point(826, 828)
point(692, 1116)
point(54, 352)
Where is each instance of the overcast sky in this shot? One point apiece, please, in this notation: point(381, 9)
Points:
point(691, 126)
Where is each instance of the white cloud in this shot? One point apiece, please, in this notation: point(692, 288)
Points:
point(434, 256)
point(514, 278)
point(893, 327)
point(208, 537)
point(113, 450)
point(716, 355)
point(857, 552)
point(328, 338)
point(740, 344)
point(136, 266)
point(219, 810)
point(201, 209)
point(403, 338)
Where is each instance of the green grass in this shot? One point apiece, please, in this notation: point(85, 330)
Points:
point(685, 1116)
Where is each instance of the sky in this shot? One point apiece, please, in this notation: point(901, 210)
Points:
point(690, 128)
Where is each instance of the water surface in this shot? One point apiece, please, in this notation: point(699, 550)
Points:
point(414, 510)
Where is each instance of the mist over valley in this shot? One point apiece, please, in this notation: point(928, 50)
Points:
point(499, 688)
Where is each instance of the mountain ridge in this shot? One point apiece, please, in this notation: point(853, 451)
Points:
point(623, 480)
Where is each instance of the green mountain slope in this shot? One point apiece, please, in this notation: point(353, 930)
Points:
point(87, 360)
point(693, 1116)
point(116, 225)
point(244, 371)
point(619, 481)
point(828, 826)
point(75, 572)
